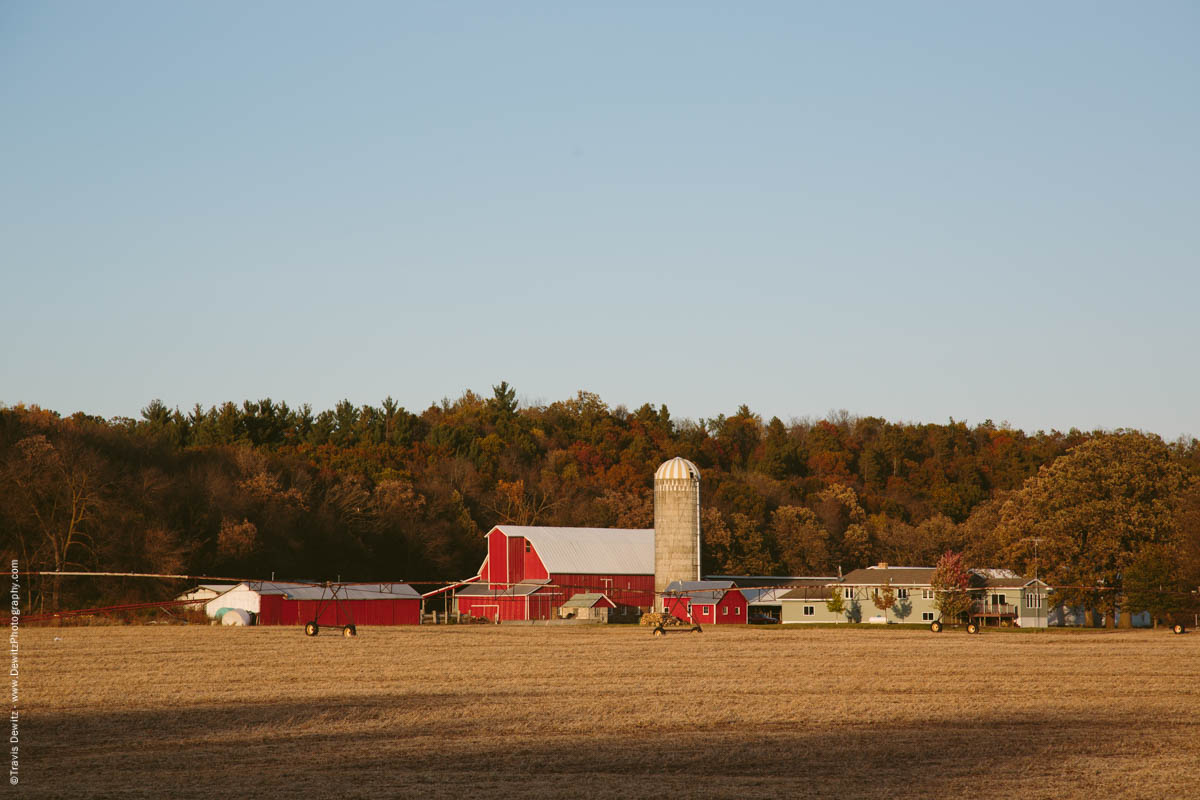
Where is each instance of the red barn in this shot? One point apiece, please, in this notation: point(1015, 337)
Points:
point(530, 571)
point(279, 603)
point(706, 602)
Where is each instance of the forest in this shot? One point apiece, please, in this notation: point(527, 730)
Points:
point(367, 493)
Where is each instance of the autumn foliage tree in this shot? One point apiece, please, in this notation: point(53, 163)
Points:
point(1093, 511)
point(951, 584)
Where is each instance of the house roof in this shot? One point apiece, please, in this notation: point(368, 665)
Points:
point(590, 551)
point(989, 578)
point(897, 576)
point(701, 591)
point(589, 600)
point(353, 591)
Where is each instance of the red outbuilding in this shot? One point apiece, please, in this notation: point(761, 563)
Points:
point(706, 602)
point(280, 603)
point(530, 571)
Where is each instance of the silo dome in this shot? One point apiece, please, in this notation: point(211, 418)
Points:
point(677, 469)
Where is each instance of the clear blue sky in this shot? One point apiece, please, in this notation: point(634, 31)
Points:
point(910, 210)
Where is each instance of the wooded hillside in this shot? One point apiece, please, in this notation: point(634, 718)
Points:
point(372, 492)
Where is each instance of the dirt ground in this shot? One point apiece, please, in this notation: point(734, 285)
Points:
point(596, 712)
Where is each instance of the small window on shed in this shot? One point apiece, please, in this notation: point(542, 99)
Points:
point(810, 611)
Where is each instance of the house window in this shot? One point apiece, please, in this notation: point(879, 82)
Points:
point(848, 592)
point(927, 616)
point(902, 594)
point(1033, 600)
point(998, 599)
point(810, 611)
point(927, 594)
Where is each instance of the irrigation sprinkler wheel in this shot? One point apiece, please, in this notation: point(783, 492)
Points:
point(1177, 628)
point(349, 631)
point(972, 628)
point(659, 631)
point(935, 626)
point(697, 629)
point(311, 628)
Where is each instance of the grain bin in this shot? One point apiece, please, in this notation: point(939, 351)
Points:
point(676, 523)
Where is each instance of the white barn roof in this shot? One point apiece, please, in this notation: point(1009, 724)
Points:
point(588, 551)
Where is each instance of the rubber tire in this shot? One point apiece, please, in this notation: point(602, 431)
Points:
point(659, 632)
point(349, 631)
point(311, 629)
point(935, 626)
point(972, 628)
point(1177, 628)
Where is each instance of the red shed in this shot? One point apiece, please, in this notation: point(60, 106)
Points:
point(530, 571)
point(278, 603)
point(706, 602)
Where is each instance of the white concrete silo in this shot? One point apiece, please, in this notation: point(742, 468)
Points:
point(676, 523)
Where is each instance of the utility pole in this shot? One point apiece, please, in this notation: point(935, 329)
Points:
point(1037, 540)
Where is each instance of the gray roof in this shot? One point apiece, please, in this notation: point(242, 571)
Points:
point(809, 593)
point(586, 600)
point(346, 591)
point(702, 591)
point(590, 551)
point(759, 581)
point(516, 590)
point(897, 576)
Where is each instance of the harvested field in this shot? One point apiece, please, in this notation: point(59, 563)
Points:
point(585, 712)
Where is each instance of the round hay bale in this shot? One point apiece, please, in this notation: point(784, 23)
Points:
point(235, 616)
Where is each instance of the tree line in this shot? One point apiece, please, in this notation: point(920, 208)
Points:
point(382, 493)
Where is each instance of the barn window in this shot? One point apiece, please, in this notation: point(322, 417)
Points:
point(528, 546)
point(737, 612)
point(725, 611)
point(810, 611)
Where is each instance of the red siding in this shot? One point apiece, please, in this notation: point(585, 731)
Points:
point(734, 602)
point(678, 607)
point(625, 590)
point(516, 559)
point(497, 558)
point(535, 570)
point(279, 610)
point(731, 610)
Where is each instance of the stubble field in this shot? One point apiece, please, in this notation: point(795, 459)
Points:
point(607, 713)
